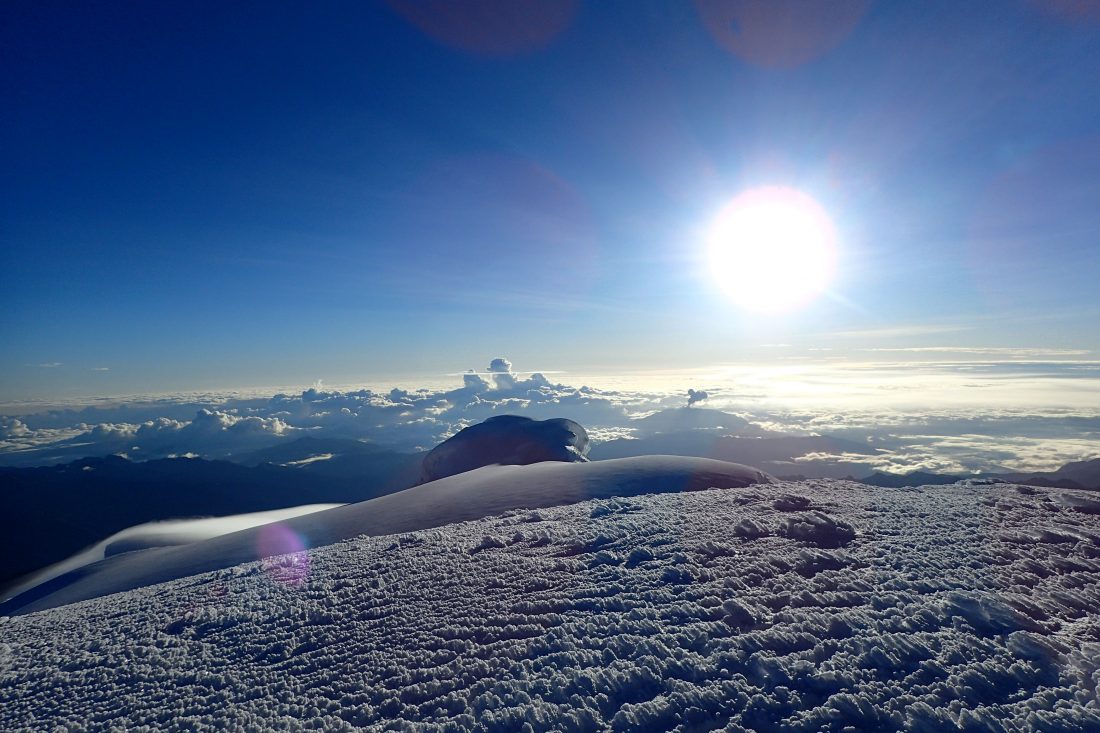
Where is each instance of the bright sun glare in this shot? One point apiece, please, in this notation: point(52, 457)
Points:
point(772, 249)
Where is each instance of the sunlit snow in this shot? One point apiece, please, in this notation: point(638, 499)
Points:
point(812, 606)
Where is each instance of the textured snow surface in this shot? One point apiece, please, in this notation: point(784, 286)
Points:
point(819, 605)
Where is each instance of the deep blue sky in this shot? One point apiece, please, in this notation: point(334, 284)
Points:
point(229, 194)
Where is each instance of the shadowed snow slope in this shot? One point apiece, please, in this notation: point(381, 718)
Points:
point(158, 534)
point(472, 495)
point(814, 606)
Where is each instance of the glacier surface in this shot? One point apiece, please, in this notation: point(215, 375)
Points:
point(812, 606)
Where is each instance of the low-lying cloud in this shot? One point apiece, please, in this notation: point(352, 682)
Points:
point(401, 419)
point(960, 439)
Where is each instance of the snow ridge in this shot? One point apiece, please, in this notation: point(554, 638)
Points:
point(471, 495)
point(813, 606)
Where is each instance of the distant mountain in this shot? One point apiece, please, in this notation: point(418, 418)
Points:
point(1086, 473)
point(338, 459)
point(691, 418)
point(774, 453)
point(916, 478)
point(51, 512)
point(1075, 475)
point(1048, 482)
point(306, 448)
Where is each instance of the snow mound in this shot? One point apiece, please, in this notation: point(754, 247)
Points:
point(1080, 502)
point(638, 613)
point(817, 528)
point(471, 495)
point(508, 440)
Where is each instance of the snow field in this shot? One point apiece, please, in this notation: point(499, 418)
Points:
point(819, 605)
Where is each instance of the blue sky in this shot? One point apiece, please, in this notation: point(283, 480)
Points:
point(207, 195)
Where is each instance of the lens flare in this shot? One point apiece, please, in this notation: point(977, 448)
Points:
point(490, 27)
point(772, 249)
point(781, 34)
point(284, 554)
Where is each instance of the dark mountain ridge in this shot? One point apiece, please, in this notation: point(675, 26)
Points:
point(51, 512)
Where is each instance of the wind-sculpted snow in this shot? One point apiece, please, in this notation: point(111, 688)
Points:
point(816, 606)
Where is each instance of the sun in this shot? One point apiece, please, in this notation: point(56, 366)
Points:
point(772, 249)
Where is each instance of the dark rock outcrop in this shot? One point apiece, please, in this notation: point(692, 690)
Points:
point(506, 440)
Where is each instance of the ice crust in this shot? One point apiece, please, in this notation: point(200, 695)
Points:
point(813, 606)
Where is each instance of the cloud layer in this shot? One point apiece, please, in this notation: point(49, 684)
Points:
point(946, 418)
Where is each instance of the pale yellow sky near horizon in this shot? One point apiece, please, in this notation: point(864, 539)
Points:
point(1013, 385)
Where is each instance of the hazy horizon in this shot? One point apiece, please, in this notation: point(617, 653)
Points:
point(949, 417)
point(1078, 379)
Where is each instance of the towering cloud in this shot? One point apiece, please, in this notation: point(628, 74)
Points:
point(503, 377)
